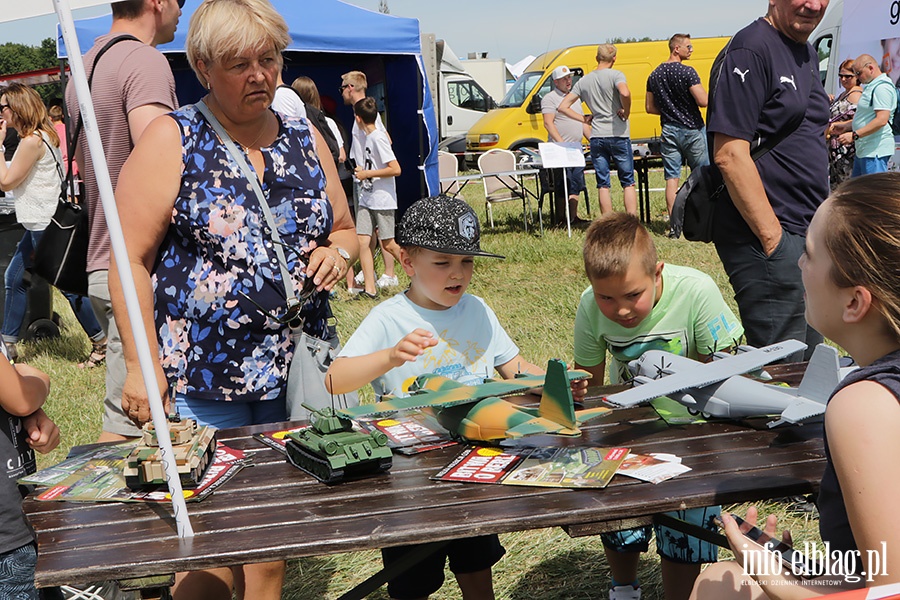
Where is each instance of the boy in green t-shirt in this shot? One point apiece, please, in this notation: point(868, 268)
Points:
point(634, 305)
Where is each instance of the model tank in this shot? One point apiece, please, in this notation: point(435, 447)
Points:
point(194, 448)
point(330, 450)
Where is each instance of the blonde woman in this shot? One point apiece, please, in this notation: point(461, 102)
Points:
point(34, 178)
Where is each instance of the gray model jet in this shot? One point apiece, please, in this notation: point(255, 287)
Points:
point(718, 389)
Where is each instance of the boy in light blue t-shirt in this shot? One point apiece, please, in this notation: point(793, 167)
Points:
point(434, 327)
point(634, 305)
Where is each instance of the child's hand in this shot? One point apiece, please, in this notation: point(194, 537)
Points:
point(43, 434)
point(579, 389)
point(361, 174)
point(411, 347)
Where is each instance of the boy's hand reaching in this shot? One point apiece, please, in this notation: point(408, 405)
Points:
point(579, 388)
point(411, 347)
point(43, 434)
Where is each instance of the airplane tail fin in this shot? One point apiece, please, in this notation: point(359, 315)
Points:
point(557, 403)
point(822, 375)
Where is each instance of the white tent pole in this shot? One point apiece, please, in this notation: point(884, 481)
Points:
point(117, 240)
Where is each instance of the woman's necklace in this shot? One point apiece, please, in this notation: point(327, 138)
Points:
point(247, 147)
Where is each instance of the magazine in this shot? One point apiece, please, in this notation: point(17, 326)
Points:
point(410, 433)
point(276, 439)
point(582, 467)
point(655, 467)
point(97, 476)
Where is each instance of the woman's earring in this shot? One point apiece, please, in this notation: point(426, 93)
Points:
point(208, 87)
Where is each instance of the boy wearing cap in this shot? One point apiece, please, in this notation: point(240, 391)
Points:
point(563, 128)
point(434, 327)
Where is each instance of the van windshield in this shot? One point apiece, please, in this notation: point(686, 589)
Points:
point(520, 89)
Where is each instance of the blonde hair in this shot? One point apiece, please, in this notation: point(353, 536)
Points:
point(55, 113)
point(606, 53)
point(31, 114)
point(308, 91)
point(357, 79)
point(612, 242)
point(863, 240)
point(221, 29)
point(677, 40)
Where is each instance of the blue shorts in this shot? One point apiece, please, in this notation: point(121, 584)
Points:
point(680, 144)
point(869, 165)
point(224, 415)
point(17, 569)
point(612, 150)
point(467, 555)
point(673, 545)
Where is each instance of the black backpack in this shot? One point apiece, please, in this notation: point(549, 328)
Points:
point(317, 118)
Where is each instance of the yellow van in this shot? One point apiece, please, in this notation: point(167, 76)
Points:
point(517, 122)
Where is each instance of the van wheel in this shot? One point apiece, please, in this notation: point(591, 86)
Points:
point(42, 329)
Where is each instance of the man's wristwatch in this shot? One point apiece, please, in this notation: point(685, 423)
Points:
point(855, 136)
point(344, 254)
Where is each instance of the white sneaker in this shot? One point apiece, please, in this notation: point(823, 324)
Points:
point(625, 592)
point(386, 281)
point(360, 278)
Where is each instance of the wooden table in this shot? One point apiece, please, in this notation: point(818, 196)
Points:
point(274, 511)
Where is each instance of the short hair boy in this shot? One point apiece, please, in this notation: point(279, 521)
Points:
point(378, 193)
point(441, 329)
point(633, 305)
point(25, 428)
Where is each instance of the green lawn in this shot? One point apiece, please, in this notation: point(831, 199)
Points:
point(534, 293)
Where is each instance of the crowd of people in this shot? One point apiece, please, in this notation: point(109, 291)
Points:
point(242, 212)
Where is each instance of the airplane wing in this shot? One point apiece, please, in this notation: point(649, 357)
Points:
point(539, 425)
point(705, 374)
point(798, 411)
point(583, 416)
point(464, 394)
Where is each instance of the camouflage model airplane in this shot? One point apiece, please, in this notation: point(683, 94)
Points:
point(717, 388)
point(492, 418)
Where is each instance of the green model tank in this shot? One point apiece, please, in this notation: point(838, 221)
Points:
point(330, 450)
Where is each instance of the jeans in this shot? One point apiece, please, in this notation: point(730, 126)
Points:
point(615, 150)
point(769, 292)
point(680, 144)
point(17, 294)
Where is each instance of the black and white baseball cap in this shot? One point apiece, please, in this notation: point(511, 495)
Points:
point(442, 224)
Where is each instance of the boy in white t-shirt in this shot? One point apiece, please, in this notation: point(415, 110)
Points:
point(433, 327)
point(377, 193)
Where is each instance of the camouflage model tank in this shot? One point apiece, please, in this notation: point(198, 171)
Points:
point(194, 448)
point(330, 450)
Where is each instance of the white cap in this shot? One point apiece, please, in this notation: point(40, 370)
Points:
point(560, 72)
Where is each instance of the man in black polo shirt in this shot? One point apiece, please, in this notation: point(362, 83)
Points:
point(769, 85)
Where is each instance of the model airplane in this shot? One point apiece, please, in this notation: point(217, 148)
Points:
point(476, 412)
point(717, 388)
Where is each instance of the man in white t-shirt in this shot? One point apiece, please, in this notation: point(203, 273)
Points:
point(377, 193)
point(563, 128)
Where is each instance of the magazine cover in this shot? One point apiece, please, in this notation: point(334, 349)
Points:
point(655, 467)
point(410, 433)
point(97, 476)
point(543, 467)
point(276, 439)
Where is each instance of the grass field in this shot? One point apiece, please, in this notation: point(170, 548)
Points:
point(534, 292)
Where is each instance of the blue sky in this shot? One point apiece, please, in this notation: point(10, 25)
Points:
point(512, 29)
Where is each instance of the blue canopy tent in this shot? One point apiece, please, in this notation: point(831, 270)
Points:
point(329, 38)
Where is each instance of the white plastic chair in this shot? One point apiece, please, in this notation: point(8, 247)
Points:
point(504, 187)
point(448, 166)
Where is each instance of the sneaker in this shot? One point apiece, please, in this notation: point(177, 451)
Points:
point(360, 278)
point(363, 294)
point(387, 281)
point(625, 592)
point(354, 291)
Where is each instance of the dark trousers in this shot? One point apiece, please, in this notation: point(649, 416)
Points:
point(769, 292)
